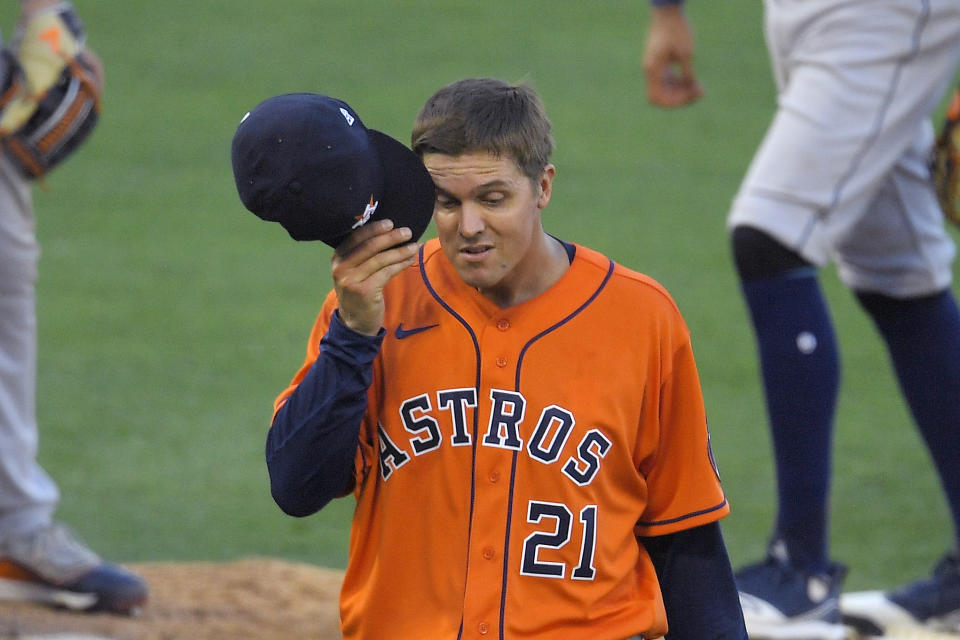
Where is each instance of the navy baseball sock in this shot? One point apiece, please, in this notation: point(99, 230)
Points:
point(923, 338)
point(800, 367)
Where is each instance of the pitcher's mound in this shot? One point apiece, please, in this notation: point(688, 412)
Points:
point(255, 599)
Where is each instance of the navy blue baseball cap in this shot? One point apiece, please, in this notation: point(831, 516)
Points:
point(307, 161)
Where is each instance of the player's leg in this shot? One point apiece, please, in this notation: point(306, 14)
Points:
point(923, 339)
point(800, 370)
point(40, 559)
point(794, 592)
point(28, 496)
point(840, 128)
point(901, 277)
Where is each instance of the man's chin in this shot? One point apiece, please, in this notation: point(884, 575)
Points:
point(471, 277)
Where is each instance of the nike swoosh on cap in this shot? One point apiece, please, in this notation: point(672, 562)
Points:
point(402, 333)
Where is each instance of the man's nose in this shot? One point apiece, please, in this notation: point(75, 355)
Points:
point(472, 221)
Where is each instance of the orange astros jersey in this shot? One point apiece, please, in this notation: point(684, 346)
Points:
point(509, 457)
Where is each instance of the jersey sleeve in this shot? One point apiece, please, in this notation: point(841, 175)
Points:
point(320, 328)
point(697, 584)
point(683, 483)
point(314, 435)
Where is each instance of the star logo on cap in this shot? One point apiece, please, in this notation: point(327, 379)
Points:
point(367, 212)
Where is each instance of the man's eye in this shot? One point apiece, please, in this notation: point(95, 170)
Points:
point(493, 200)
point(446, 203)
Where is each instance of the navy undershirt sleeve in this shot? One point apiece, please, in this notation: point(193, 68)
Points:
point(697, 584)
point(312, 443)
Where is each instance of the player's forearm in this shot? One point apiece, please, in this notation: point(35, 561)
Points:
point(697, 584)
point(313, 440)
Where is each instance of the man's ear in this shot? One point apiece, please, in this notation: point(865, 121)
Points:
point(545, 185)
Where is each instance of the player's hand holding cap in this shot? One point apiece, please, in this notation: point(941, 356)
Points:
point(307, 161)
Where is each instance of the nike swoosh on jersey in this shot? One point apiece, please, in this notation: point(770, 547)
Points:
point(402, 333)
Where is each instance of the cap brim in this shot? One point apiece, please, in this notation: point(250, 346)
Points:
point(409, 192)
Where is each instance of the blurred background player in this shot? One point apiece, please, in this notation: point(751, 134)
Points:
point(841, 175)
point(40, 558)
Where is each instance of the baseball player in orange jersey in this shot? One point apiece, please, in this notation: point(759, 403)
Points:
point(518, 418)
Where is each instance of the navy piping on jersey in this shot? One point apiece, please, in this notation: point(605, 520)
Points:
point(692, 514)
point(571, 251)
point(881, 115)
point(473, 453)
point(513, 466)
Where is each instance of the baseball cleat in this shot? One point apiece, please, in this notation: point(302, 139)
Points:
point(52, 567)
point(781, 602)
point(930, 603)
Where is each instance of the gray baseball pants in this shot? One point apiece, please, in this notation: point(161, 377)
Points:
point(28, 496)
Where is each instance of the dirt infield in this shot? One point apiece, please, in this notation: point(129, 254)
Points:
point(255, 599)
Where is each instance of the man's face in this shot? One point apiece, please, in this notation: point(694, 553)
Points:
point(487, 216)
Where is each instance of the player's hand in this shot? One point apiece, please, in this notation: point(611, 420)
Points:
point(668, 59)
point(362, 265)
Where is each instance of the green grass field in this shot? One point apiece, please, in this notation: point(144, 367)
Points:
point(170, 317)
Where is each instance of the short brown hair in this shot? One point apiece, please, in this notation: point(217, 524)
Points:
point(486, 114)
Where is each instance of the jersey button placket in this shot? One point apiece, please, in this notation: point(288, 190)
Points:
point(502, 325)
point(484, 576)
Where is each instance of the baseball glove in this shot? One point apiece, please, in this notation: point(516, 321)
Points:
point(945, 161)
point(52, 99)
